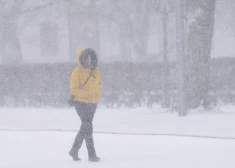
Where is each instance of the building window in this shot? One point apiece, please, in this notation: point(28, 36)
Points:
point(48, 39)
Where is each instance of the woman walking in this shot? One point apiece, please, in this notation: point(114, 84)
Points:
point(86, 87)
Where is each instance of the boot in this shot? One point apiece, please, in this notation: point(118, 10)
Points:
point(91, 149)
point(94, 159)
point(76, 146)
point(74, 156)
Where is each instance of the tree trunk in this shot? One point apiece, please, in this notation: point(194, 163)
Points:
point(70, 17)
point(165, 102)
point(125, 47)
point(95, 17)
point(199, 33)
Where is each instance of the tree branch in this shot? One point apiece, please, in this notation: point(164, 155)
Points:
point(36, 8)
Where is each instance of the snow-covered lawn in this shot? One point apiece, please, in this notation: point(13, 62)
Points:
point(219, 122)
point(42, 146)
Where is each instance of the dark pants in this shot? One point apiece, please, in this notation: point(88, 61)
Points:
point(86, 112)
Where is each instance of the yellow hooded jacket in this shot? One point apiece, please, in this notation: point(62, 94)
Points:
point(91, 91)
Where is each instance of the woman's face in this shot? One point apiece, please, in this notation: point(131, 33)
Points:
point(88, 60)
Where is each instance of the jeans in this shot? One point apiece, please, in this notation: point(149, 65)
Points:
point(86, 112)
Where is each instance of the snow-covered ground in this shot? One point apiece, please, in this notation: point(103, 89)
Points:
point(30, 138)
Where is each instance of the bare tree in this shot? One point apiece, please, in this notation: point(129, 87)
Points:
point(93, 4)
point(10, 50)
point(199, 33)
point(133, 18)
point(89, 36)
point(165, 8)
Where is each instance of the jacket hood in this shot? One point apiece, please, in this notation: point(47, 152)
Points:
point(83, 55)
point(80, 52)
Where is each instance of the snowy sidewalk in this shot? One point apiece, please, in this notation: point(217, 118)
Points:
point(50, 150)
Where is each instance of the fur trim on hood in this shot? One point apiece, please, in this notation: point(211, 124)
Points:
point(83, 58)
